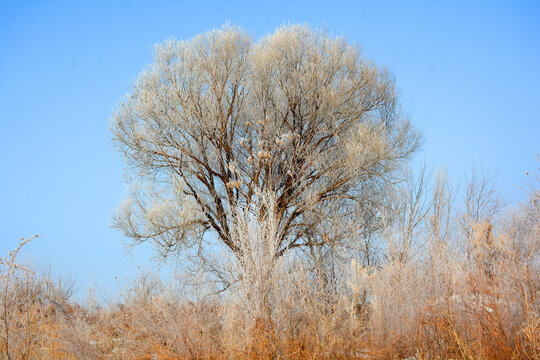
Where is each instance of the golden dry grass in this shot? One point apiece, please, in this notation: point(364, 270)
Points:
point(482, 303)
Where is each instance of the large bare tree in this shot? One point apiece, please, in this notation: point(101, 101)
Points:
point(300, 114)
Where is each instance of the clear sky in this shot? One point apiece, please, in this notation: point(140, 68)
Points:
point(468, 73)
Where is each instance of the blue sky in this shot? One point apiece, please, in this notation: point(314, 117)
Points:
point(468, 73)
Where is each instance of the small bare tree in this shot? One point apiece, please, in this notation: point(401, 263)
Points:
point(300, 114)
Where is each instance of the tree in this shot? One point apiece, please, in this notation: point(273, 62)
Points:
point(299, 114)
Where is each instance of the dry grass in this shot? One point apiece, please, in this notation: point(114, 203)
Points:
point(474, 296)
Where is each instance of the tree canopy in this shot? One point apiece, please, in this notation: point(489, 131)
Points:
point(300, 114)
